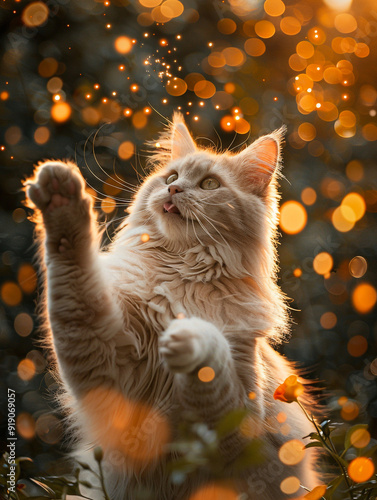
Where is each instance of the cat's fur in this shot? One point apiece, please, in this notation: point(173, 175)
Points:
point(132, 325)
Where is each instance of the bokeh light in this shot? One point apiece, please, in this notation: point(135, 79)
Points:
point(206, 374)
point(361, 469)
point(293, 217)
point(123, 44)
point(292, 452)
point(358, 267)
point(35, 14)
point(290, 485)
point(323, 263)
point(215, 492)
point(360, 438)
point(364, 297)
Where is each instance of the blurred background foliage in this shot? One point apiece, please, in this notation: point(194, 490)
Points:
point(92, 80)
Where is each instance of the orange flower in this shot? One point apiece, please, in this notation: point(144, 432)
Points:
point(289, 390)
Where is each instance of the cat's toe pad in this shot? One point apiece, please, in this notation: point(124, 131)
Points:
point(183, 346)
point(64, 245)
point(54, 185)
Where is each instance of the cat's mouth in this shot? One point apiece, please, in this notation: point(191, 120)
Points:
point(170, 208)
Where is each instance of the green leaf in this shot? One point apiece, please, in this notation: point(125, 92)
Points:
point(351, 430)
point(314, 444)
point(333, 486)
point(313, 436)
point(231, 422)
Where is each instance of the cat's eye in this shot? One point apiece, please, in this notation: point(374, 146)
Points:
point(171, 178)
point(210, 183)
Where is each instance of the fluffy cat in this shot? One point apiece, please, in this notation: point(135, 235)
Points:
point(189, 282)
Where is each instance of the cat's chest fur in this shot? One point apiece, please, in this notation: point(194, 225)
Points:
point(163, 288)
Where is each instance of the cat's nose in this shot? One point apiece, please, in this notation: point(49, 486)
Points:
point(174, 189)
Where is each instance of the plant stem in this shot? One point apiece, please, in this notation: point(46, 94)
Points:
point(331, 448)
point(102, 481)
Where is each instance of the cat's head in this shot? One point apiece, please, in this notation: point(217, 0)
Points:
point(196, 195)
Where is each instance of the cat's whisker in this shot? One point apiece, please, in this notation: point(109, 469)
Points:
point(208, 219)
point(193, 227)
point(242, 143)
point(126, 185)
point(207, 139)
point(138, 156)
point(218, 136)
point(205, 229)
point(231, 144)
point(98, 178)
point(123, 182)
point(121, 200)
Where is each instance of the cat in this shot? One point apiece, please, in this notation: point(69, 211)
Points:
point(175, 317)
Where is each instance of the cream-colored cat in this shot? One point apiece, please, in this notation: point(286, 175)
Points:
point(189, 283)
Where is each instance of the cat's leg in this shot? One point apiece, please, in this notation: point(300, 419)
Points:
point(206, 379)
point(83, 316)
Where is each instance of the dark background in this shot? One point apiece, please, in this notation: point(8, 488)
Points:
point(72, 55)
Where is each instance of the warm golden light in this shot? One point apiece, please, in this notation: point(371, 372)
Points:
point(126, 150)
point(123, 44)
point(323, 263)
point(176, 87)
point(23, 324)
point(41, 135)
point(204, 89)
point(27, 278)
point(25, 425)
point(274, 8)
point(360, 438)
point(108, 205)
point(255, 47)
point(61, 112)
point(26, 369)
point(339, 4)
point(349, 411)
point(11, 293)
point(264, 29)
point(308, 196)
point(364, 298)
point(290, 485)
point(361, 469)
point(328, 320)
point(343, 219)
point(136, 430)
point(35, 14)
point(145, 237)
point(290, 25)
point(206, 374)
point(292, 452)
point(215, 492)
point(293, 217)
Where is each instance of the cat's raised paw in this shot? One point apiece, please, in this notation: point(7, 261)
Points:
point(54, 185)
point(184, 346)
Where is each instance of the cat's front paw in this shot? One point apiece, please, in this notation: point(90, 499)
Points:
point(57, 191)
point(186, 344)
point(55, 184)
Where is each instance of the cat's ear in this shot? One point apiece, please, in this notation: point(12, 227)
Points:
point(182, 143)
point(261, 160)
